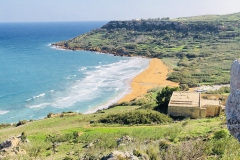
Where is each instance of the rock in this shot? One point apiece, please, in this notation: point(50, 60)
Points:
point(124, 140)
point(10, 143)
point(88, 145)
point(91, 144)
point(133, 158)
point(233, 102)
point(11, 147)
point(116, 155)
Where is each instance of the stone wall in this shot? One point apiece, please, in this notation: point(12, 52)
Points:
point(192, 112)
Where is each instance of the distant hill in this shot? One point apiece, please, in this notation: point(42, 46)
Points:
point(227, 17)
point(199, 49)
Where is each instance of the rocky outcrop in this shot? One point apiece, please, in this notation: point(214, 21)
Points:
point(115, 155)
point(124, 140)
point(11, 147)
point(10, 143)
point(233, 102)
point(91, 144)
point(130, 155)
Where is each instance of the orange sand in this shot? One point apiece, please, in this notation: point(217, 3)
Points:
point(154, 76)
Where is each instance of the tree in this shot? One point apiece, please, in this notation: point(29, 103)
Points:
point(184, 87)
point(163, 98)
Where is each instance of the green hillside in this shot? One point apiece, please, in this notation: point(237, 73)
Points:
point(131, 128)
point(79, 136)
point(199, 49)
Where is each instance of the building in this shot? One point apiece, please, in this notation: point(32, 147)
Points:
point(190, 104)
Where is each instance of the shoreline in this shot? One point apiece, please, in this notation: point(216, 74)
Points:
point(153, 76)
point(115, 100)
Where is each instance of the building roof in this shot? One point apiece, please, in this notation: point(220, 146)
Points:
point(185, 99)
point(209, 102)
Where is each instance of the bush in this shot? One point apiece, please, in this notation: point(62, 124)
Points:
point(49, 115)
point(163, 98)
point(67, 158)
point(21, 123)
point(4, 125)
point(173, 132)
point(137, 117)
point(219, 147)
point(221, 134)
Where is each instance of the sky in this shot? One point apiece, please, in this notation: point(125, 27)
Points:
point(105, 10)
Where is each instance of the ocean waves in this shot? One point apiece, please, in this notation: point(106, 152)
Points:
point(99, 86)
point(3, 112)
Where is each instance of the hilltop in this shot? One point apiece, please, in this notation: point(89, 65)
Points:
point(198, 49)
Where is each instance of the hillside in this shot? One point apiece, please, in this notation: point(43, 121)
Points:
point(76, 136)
point(199, 49)
point(131, 129)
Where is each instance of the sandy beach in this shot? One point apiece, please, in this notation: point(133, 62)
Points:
point(154, 76)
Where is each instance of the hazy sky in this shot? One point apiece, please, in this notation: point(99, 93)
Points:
point(102, 10)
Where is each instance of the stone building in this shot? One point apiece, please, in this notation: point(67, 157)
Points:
point(190, 104)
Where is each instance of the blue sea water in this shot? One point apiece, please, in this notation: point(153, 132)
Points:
point(36, 79)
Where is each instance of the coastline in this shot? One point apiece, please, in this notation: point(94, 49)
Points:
point(114, 100)
point(153, 76)
point(60, 46)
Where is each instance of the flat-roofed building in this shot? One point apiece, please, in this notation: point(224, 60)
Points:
point(190, 104)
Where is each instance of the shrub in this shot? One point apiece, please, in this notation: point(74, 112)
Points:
point(163, 98)
point(49, 115)
point(218, 147)
point(137, 117)
point(220, 134)
point(156, 89)
point(4, 125)
point(163, 145)
point(21, 123)
point(23, 137)
point(173, 133)
point(67, 158)
point(152, 153)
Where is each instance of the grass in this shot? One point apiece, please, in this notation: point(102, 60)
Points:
point(107, 134)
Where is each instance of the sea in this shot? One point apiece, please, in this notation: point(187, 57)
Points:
point(37, 79)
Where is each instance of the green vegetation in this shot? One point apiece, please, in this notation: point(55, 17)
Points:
point(137, 128)
point(74, 137)
point(163, 98)
point(137, 117)
point(222, 90)
point(198, 49)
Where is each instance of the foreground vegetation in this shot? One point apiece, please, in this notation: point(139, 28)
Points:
point(198, 49)
point(134, 127)
point(77, 138)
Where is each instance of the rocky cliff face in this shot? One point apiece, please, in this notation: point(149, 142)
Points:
point(233, 103)
point(146, 25)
